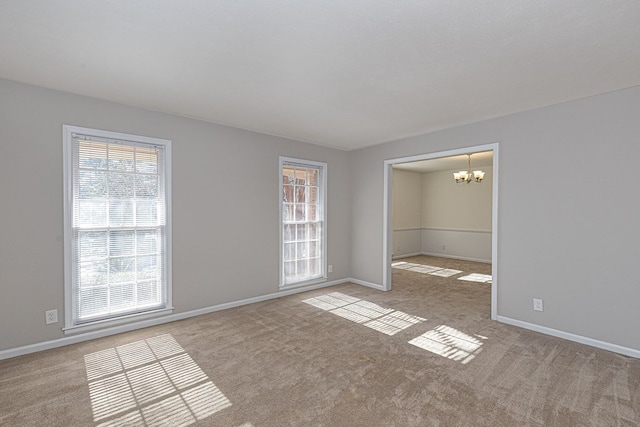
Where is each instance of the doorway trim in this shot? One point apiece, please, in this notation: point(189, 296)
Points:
point(387, 232)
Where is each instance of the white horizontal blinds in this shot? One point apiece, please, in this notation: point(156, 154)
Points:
point(119, 226)
point(302, 219)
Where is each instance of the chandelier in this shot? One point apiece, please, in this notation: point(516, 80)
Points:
point(467, 176)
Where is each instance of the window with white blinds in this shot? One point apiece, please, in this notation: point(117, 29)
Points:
point(303, 221)
point(117, 217)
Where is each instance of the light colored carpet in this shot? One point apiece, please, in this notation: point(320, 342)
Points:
point(424, 354)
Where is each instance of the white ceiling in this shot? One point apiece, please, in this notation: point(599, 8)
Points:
point(343, 73)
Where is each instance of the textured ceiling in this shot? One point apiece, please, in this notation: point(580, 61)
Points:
point(348, 73)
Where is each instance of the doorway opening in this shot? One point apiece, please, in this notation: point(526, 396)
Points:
point(388, 213)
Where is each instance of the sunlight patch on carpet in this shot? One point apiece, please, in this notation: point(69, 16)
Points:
point(446, 272)
point(385, 320)
point(150, 382)
point(449, 342)
point(425, 269)
point(476, 277)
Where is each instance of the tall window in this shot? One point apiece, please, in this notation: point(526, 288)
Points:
point(303, 221)
point(117, 225)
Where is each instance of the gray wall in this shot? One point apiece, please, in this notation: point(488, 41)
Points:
point(407, 199)
point(406, 212)
point(457, 217)
point(225, 205)
point(571, 240)
point(568, 212)
point(449, 205)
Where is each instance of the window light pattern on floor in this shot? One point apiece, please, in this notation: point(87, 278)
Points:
point(425, 269)
point(449, 342)
point(150, 382)
point(476, 277)
point(385, 320)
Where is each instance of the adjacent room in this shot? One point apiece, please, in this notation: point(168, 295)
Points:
point(439, 216)
point(249, 213)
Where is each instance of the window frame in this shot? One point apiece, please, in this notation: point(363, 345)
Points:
point(322, 197)
point(71, 325)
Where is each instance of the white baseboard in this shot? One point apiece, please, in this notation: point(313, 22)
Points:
point(571, 337)
point(367, 284)
point(439, 255)
point(47, 345)
point(60, 342)
point(406, 255)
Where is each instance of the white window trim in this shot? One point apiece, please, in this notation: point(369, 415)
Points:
point(67, 140)
point(323, 197)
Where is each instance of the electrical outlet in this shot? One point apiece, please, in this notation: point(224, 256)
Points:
point(51, 316)
point(444, 247)
point(537, 304)
point(330, 268)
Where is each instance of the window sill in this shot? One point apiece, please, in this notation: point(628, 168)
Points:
point(304, 283)
point(122, 320)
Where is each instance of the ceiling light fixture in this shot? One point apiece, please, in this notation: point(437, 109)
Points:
point(467, 176)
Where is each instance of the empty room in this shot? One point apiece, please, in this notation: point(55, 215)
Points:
point(355, 213)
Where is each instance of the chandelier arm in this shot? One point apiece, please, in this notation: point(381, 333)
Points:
point(468, 175)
